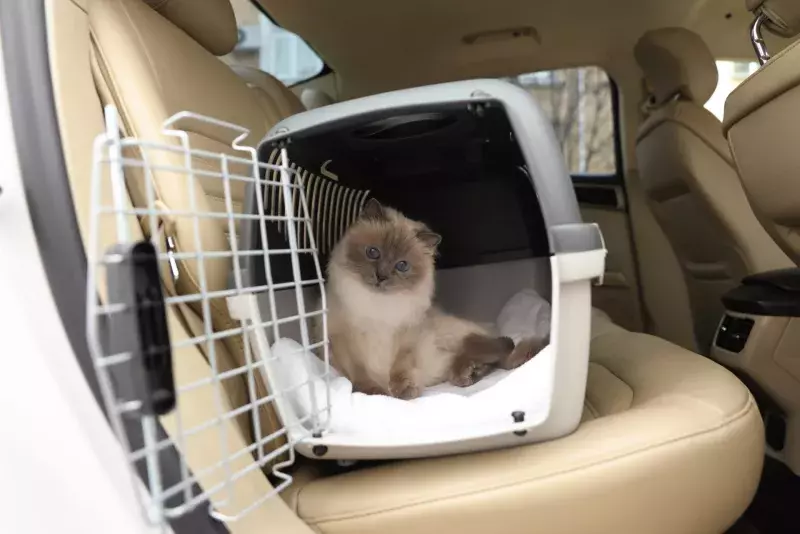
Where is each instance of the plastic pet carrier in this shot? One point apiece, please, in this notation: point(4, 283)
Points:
point(199, 255)
point(478, 163)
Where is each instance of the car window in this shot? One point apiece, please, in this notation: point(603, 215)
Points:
point(579, 103)
point(268, 47)
point(731, 74)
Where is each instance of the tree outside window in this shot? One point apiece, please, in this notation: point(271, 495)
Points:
point(578, 103)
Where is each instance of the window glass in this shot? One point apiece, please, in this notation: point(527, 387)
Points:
point(266, 46)
point(578, 103)
point(731, 74)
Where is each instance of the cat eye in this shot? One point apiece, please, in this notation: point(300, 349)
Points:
point(401, 266)
point(373, 253)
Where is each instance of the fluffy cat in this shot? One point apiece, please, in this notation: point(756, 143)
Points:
point(386, 336)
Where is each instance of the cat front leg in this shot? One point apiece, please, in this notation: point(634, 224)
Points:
point(369, 387)
point(402, 383)
point(345, 359)
point(363, 382)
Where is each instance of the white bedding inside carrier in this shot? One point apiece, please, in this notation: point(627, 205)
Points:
point(443, 412)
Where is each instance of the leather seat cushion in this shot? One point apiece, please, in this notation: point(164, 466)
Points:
point(671, 442)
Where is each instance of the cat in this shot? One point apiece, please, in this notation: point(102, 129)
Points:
point(386, 335)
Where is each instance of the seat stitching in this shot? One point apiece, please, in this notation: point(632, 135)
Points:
point(733, 419)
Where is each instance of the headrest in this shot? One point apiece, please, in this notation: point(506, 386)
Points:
point(783, 16)
point(676, 61)
point(314, 98)
point(209, 22)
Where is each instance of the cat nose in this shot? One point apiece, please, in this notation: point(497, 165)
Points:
point(381, 277)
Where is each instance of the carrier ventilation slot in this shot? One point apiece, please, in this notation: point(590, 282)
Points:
point(331, 206)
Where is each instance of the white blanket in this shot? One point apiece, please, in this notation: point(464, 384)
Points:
point(441, 410)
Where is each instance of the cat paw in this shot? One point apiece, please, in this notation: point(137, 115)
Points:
point(466, 374)
point(368, 388)
point(403, 388)
point(524, 351)
point(372, 390)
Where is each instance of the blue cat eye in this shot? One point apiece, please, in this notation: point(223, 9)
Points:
point(373, 253)
point(401, 266)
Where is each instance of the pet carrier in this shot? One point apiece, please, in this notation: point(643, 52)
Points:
point(477, 162)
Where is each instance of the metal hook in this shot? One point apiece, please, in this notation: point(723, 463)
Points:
point(758, 41)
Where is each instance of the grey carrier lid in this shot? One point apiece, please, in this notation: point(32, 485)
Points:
point(476, 160)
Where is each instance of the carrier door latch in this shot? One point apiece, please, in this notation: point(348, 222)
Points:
point(138, 327)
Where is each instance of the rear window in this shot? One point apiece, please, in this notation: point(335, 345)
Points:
point(731, 74)
point(266, 46)
point(579, 103)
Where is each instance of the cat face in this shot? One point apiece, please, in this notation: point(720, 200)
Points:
point(388, 252)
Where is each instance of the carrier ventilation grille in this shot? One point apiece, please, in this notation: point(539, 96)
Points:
point(331, 206)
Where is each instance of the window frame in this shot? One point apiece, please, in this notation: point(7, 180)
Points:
point(617, 177)
point(610, 178)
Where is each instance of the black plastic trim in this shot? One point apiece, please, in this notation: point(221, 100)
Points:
point(772, 293)
point(781, 279)
point(619, 162)
point(609, 180)
point(601, 196)
point(733, 333)
point(33, 114)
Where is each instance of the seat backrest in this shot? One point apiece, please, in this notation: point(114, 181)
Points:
point(762, 124)
point(153, 59)
point(275, 98)
point(315, 98)
point(688, 174)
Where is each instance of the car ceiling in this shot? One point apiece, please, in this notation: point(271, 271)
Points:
point(376, 45)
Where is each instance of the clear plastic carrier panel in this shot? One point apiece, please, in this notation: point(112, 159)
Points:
point(477, 161)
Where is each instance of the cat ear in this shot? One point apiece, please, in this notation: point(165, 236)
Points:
point(373, 210)
point(429, 238)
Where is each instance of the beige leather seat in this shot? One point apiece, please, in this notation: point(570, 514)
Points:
point(689, 176)
point(315, 98)
point(670, 441)
point(762, 127)
point(266, 85)
point(276, 99)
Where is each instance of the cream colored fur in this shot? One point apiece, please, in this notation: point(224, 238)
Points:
point(370, 329)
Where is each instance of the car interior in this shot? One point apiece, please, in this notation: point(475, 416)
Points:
point(691, 420)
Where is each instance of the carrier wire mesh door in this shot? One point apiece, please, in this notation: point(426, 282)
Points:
point(149, 260)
